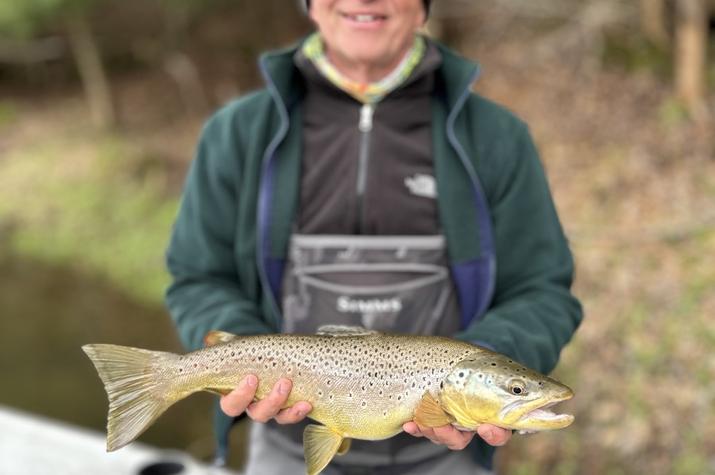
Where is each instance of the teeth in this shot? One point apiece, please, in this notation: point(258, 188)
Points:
point(364, 18)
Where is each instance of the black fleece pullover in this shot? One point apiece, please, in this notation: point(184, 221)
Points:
point(392, 151)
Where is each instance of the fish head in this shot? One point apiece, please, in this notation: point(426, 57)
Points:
point(492, 388)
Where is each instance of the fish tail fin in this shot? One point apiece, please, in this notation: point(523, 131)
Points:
point(138, 387)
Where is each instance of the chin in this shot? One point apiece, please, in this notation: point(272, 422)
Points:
point(370, 57)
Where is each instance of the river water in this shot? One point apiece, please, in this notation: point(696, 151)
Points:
point(47, 312)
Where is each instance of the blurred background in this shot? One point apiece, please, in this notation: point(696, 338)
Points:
point(101, 104)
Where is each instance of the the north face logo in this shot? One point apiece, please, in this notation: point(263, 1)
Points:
point(422, 185)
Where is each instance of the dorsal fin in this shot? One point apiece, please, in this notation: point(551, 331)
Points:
point(344, 330)
point(429, 413)
point(216, 337)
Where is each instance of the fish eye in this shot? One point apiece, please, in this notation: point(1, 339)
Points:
point(517, 388)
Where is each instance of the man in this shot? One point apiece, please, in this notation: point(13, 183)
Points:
point(367, 185)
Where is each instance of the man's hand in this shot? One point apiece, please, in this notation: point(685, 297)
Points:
point(456, 439)
point(241, 399)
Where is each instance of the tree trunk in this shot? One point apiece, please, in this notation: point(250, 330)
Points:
point(653, 22)
point(178, 65)
point(691, 55)
point(91, 71)
point(186, 75)
point(443, 25)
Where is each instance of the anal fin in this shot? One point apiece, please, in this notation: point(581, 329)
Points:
point(429, 413)
point(320, 444)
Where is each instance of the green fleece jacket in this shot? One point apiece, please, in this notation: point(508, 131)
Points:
point(216, 249)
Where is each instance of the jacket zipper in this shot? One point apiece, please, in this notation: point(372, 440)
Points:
point(367, 111)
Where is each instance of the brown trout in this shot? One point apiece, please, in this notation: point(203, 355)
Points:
point(362, 384)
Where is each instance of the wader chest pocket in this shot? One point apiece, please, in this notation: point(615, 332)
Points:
point(382, 283)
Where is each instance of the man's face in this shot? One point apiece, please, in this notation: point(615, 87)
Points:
point(367, 33)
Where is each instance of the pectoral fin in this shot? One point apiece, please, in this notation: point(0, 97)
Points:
point(429, 413)
point(320, 444)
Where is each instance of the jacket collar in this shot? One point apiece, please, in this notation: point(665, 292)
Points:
point(279, 71)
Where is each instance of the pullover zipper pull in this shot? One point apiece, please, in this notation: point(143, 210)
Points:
point(366, 112)
point(365, 127)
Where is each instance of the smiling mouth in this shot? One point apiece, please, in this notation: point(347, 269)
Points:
point(364, 17)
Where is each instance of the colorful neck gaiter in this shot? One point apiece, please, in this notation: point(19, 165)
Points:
point(367, 93)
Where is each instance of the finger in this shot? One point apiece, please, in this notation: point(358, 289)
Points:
point(412, 429)
point(235, 402)
point(453, 438)
point(267, 408)
point(294, 414)
point(493, 435)
point(428, 432)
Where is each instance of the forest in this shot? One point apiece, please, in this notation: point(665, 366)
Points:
point(101, 106)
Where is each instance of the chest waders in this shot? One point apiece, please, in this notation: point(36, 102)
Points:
point(401, 284)
point(397, 284)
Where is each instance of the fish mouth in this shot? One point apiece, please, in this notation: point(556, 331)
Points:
point(539, 416)
point(545, 417)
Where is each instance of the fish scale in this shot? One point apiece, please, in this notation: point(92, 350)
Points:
point(361, 384)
